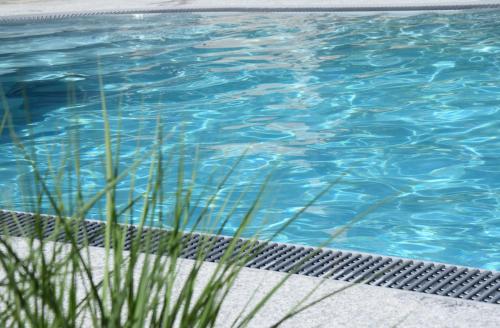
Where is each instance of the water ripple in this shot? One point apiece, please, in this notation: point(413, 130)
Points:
point(404, 105)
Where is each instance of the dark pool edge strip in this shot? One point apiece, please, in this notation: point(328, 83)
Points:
point(338, 9)
point(385, 271)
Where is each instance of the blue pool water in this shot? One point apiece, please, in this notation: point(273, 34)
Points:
point(405, 106)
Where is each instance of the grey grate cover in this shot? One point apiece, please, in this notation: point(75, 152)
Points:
point(263, 9)
point(392, 272)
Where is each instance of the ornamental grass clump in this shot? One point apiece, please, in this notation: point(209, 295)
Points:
point(138, 280)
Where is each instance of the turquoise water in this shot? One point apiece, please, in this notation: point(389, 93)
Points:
point(405, 106)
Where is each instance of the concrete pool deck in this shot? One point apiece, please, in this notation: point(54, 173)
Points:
point(357, 306)
point(59, 7)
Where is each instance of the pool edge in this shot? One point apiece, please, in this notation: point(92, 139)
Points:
point(425, 277)
point(47, 16)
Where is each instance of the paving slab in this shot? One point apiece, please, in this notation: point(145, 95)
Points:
point(356, 306)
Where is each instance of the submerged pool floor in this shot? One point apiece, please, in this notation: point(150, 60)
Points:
point(406, 107)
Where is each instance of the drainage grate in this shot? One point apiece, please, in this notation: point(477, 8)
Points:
point(391, 272)
point(264, 9)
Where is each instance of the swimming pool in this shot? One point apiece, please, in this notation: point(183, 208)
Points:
point(406, 106)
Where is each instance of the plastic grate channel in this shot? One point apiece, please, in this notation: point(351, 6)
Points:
point(390, 272)
point(339, 9)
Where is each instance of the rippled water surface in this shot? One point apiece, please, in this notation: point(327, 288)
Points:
point(407, 107)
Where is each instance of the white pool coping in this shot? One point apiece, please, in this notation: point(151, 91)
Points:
point(357, 306)
point(10, 8)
